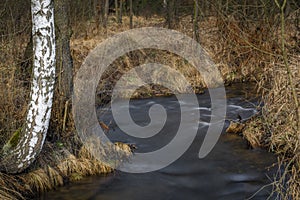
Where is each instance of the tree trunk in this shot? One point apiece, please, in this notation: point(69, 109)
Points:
point(196, 21)
point(117, 9)
point(23, 147)
point(131, 14)
point(95, 8)
point(106, 9)
point(98, 13)
point(171, 17)
point(61, 120)
point(101, 13)
point(120, 12)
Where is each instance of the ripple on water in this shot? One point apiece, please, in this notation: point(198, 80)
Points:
point(229, 172)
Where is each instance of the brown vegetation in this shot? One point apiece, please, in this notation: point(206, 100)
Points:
point(246, 46)
point(56, 167)
point(278, 128)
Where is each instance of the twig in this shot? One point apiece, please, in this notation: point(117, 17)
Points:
point(65, 115)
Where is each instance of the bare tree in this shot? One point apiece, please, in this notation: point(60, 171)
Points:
point(171, 13)
point(120, 12)
point(26, 143)
point(98, 14)
point(106, 10)
point(196, 21)
point(117, 9)
point(131, 14)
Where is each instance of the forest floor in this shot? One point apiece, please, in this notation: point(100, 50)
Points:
point(242, 53)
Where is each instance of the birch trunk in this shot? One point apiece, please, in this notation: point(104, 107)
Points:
point(22, 149)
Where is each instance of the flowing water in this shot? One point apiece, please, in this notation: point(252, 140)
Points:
point(231, 171)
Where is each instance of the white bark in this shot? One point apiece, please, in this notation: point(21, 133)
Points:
point(42, 88)
point(165, 3)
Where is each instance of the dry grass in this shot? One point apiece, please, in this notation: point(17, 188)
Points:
point(221, 38)
point(55, 167)
point(65, 167)
point(11, 187)
point(278, 127)
point(243, 51)
point(250, 51)
point(13, 94)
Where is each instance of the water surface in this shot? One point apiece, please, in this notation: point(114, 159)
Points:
point(231, 171)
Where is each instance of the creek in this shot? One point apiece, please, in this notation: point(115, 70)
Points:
point(231, 171)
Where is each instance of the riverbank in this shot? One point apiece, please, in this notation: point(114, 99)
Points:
point(277, 128)
point(241, 53)
point(252, 55)
point(55, 167)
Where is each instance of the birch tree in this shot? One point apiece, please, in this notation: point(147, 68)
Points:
point(26, 143)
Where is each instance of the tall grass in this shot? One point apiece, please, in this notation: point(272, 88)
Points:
point(278, 128)
point(65, 168)
point(13, 94)
point(244, 40)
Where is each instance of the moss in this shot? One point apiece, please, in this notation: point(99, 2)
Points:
point(12, 142)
